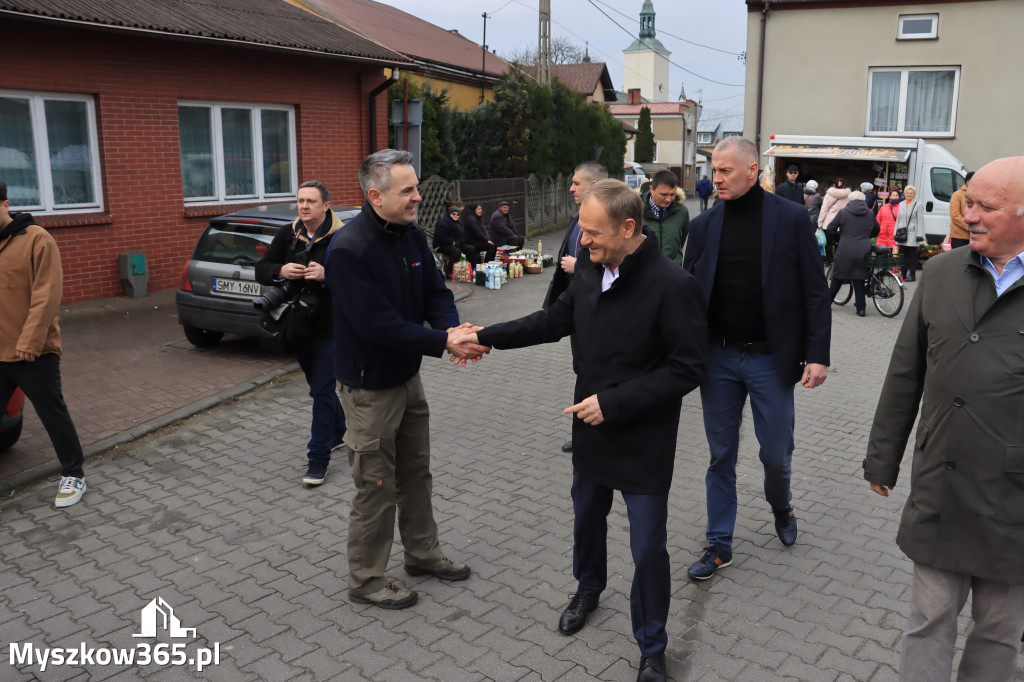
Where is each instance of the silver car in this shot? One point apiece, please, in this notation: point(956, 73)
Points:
point(219, 283)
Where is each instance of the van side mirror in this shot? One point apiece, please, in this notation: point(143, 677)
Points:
point(928, 207)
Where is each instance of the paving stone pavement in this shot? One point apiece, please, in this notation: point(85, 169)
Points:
point(211, 517)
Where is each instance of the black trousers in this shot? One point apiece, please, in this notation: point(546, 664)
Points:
point(40, 381)
point(486, 251)
point(454, 254)
point(909, 261)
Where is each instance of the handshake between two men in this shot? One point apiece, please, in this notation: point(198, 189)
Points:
point(464, 346)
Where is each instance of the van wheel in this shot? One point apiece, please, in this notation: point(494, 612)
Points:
point(201, 338)
point(11, 436)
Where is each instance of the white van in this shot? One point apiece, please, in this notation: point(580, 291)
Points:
point(882, 161)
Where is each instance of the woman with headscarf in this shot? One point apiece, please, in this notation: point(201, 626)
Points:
point(450, 239)
point(911, 219)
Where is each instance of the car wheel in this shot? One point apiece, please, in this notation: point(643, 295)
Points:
point(202, 338)
point(11, 435)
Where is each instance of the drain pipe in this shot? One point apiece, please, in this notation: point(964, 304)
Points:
point(760, 73)
point(373, 107)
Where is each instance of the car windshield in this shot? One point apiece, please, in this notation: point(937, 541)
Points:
point(238, 243)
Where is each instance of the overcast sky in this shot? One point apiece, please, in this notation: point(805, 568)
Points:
point(719, 24)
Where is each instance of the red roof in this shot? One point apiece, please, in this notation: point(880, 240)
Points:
point(263, 22)
point(584, 78)
point(656, 108)
point(409, 35)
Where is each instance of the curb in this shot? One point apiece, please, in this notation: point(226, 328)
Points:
point(52, 467)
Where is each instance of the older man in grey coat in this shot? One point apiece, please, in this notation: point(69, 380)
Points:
point(960, 354)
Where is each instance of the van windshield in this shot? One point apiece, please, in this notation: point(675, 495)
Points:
point(238, 243)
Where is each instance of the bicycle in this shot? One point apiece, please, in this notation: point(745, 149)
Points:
point(884, 288)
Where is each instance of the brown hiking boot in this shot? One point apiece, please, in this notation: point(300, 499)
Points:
point(390, 596)
point(444, 568)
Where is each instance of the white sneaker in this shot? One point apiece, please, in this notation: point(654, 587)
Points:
point(70, 491)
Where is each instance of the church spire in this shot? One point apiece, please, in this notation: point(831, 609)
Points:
point(647, 21)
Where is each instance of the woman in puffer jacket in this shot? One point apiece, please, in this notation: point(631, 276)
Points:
point(887, 214)
point(836, 198)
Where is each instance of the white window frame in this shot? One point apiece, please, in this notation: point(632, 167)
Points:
point(655, 152)
point(709, 138)
point(900, 35)
point(688, 153)
point(902, 115)
point(37, 101)
point(219, 175)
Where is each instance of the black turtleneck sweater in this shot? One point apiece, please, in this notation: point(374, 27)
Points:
point(736, 309)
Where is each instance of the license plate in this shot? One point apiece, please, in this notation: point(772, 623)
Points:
point(236, 286)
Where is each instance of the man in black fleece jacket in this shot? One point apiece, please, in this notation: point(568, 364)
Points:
point(384, 286)
point(641, 344)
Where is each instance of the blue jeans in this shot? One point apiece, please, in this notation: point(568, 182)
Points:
point(732, 376)
point(317, 362)
point(652, 574)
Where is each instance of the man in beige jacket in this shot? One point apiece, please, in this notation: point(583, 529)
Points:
point(958, 235)
point(30, 293)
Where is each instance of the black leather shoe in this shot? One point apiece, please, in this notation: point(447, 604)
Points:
point(567, 446)
point(785, 526)
point(652, 669)
point(575, 615)
point(861, 313)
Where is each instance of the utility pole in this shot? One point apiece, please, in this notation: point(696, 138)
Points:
point(483, 64)
point(544, 43)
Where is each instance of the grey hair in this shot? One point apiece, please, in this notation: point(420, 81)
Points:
point(1020, 211)
point(742, 145)
point(375, 171)
point(620, 202)
point(592, 170)
point(325, 194)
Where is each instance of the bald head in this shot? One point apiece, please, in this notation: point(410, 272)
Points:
point(995, 210)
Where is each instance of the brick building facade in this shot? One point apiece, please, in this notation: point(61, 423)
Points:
point(136, 81)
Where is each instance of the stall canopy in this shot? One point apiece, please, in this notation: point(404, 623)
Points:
point(843, 153)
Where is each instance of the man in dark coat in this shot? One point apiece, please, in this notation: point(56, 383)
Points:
point(586, 174)
point(770, 318)
point(502, 229)
point(641, 345)
point(791, 189)
point(959, 357)
point(296, 257)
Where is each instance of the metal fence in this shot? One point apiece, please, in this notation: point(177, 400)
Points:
point(537, 205)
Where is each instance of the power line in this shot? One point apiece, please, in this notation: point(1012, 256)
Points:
point(678, 66)
point(708, 47)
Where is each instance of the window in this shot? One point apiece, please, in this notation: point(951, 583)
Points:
point(920, 100)
point(918, 26)
point(703, 138)
point(236, 151)
point(49, 155)
point(655, 159)
point(945, 181)
point(689, 153)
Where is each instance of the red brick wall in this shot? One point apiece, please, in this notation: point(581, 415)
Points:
point(137, 81)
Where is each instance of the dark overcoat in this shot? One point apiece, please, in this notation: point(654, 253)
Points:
point(960, 356)
point(640, 347)
point(853, 226)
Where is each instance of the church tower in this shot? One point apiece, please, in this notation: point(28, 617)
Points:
point(646, 60)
